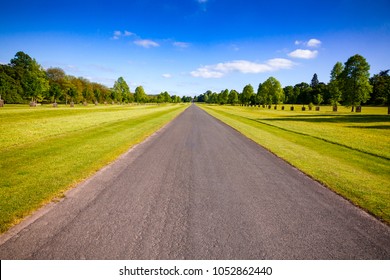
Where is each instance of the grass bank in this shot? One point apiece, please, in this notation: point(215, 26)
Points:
point(46, 151)
point(348, 152)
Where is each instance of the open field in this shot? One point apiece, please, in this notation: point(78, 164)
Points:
point(45, 151)
point(348, 152)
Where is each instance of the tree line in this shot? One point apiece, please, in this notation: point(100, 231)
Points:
point(350, 85)
point(23, 80)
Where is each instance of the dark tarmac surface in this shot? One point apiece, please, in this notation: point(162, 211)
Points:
point(198, 189)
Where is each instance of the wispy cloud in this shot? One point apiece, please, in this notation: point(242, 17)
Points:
point(304, 54)
point(243, 66)
point(146, 43)
point(128, 33)
point(202, 4)
point(118, 34)
point(182, 45)
point(167, 75)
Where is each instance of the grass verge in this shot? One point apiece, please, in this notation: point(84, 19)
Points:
point(349, 153)
point(46, 151)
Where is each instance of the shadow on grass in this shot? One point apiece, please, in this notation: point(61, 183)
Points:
point(338, 119)
point(371, 126)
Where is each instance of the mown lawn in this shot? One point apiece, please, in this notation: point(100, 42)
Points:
point(46, 151)
point(348, 152)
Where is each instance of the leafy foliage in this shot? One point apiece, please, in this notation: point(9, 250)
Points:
point(24, 80)
point(355, 81)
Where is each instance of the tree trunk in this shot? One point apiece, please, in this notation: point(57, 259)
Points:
point(388, 110)
point(353, 109)
point(334, 108)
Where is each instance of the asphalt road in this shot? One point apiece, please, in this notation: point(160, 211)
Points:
point(198, 189)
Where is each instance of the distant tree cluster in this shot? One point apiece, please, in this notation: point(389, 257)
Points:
point(23, 80)
point(350, 85)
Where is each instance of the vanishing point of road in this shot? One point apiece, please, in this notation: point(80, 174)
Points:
point(198, 189)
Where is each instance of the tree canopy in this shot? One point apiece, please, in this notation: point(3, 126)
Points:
point(355, 81)
point(24, 80)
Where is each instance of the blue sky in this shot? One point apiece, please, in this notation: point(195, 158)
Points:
point(189, 46)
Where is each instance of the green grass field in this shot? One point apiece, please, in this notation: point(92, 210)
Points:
point(46, 151)
point(348, 152)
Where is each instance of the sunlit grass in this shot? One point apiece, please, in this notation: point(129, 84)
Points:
point(348, 152)
point(45, 151)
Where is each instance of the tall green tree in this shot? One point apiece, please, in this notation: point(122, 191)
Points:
point(224, 97)
point(289, 96)
point(355, 80)
point(381, 88)
point(121, 90)
point(317, 92)
point(335, 84)
point(303, 92)
point(272, 91)
point(58, 82)
point(11, 90)
point(260, 99)
point(32, 76)
point(314, 81)
point(139, 95)
point(166, 97)
point(55, 92)
point(233, 97)
point(247, 94)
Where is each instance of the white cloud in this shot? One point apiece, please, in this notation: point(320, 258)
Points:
point(206, 72)
point(243, 66)
point(167, 75)
point(314, 43)
point(146, 43)
point(305, 54)
point(280, 63)
point(181, 44)
point(118, 34)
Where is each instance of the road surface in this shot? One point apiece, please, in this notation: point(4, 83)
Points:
point(198, 189)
